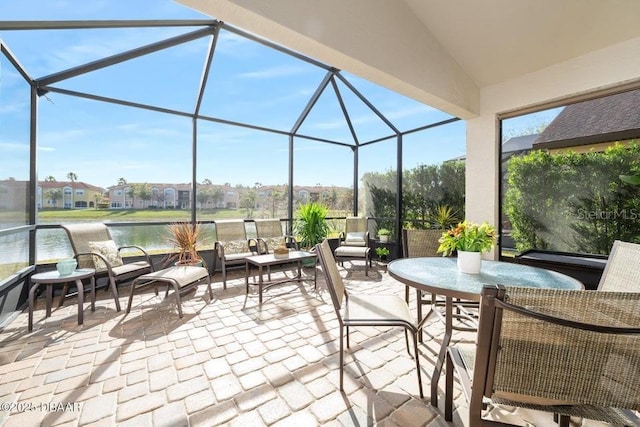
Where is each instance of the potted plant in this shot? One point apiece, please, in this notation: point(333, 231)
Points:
point(469, 240)
point(310, 224)
point(443, 217)
point(383, 234)
point(382, 253)
point(184, 238)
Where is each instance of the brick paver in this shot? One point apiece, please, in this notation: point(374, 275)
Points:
point(227, 361)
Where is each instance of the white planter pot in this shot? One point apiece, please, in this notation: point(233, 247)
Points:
point(469, 262)
point(384, 239)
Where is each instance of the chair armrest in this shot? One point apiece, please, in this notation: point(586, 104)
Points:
point(257, 246)
point(146, 255)
point(291, 242)
point(92, 254)
point(219, 248)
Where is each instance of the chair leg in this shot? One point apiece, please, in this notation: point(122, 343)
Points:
point(209, 287)
point(114, 292)
point(347, 337)
point(448, 390)
point(342, 355)
point(415, 350)
point(406, 340)
point(224, 275)
point(176, 290)
point(406, 294)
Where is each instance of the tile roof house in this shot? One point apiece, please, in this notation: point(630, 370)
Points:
point(597, 121)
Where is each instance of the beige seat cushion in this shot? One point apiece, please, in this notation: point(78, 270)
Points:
point(182, 274)
point(351, 251)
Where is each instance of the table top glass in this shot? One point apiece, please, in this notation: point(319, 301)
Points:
point(272, 259)
point(441, 275)
point(55, 277)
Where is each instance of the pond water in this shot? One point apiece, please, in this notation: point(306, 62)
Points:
point(53, 244)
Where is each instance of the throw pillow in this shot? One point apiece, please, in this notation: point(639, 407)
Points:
point(355, 239)
point(107, 249)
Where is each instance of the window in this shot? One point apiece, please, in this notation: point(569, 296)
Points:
point(564, 176)
point(79, 192)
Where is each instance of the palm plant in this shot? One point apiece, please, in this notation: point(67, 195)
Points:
point(310, 225)
point(184, 237)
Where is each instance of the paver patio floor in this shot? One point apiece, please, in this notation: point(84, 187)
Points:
point(228, 361)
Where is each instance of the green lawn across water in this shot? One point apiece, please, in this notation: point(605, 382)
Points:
point(136, 215)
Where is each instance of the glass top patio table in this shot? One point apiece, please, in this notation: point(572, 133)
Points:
point(440, 275)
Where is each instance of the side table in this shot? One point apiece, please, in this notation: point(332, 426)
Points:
point(51, 278)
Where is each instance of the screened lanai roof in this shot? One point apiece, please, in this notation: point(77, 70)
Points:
point(142, 62)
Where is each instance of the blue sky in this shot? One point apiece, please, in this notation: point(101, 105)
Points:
point(249, 83)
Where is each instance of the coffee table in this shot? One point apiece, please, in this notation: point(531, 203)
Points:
point(268, 260)
point(51, 278)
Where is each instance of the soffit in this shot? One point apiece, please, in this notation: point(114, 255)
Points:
point(497, 40)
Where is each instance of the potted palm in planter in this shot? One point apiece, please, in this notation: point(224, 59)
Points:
point(184, 237)
point(310, 225)
point(469, 240)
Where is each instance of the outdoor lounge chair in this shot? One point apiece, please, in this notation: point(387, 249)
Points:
point(93, 247)
point(572, 353)
point(366, 310)
point(269, 235)
point(354, 242)
point(231, 246)
point(621, 273)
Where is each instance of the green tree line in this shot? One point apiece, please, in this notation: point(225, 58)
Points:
point(573, 202)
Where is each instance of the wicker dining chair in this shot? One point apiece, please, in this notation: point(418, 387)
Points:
point(93, 247)
point(366, 310)
point(420, 243)
point(621, 273)
point(231, 246)
point(571, 353)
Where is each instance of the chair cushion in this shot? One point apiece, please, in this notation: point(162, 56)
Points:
point(183, 275)
point(272, 242)
point(352, 252)
point(355, 239)
point(237, 257)
point(235, 247)
point(130, 267)
point(109, 250)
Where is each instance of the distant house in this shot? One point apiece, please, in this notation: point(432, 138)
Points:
point(593, 124)
point(173, 196)
point(68, 195)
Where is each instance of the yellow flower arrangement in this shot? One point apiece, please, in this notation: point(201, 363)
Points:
point(468, 236)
